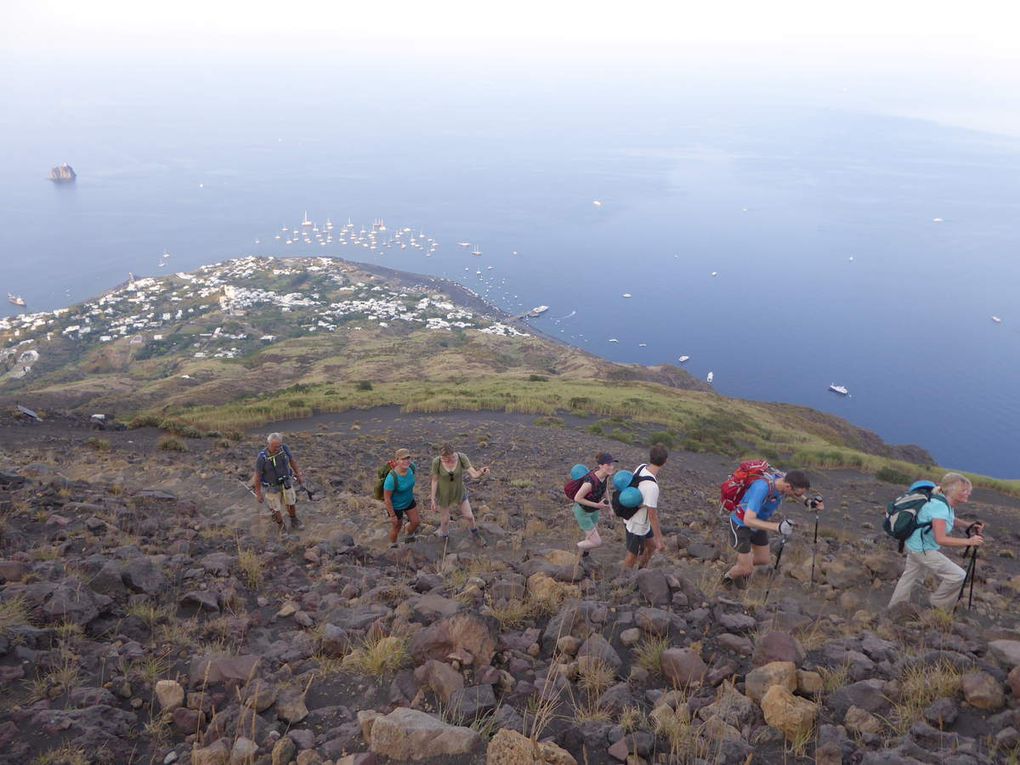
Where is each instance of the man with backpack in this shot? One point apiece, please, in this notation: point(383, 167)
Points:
point(589, 498)
point(644, 534)
point(759, 497)
point(935, 521)
point(275, 472)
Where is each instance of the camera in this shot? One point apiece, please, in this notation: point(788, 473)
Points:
point(814, 502)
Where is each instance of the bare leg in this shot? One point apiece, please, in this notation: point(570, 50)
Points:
point(412, 516)
point(591, 540)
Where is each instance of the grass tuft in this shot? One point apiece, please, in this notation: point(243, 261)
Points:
point(378, 656)
point(648, 654)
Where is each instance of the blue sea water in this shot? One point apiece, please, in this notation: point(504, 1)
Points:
point(774, 194)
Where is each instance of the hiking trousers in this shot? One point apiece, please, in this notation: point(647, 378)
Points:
point(919, 565)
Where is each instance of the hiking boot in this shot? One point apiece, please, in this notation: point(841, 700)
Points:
point(410, 539)
point(479, 539)
point(394, 545)
point(295, 522)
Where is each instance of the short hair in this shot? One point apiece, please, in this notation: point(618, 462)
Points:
point(447, 450)
point(274, 437)
point(658, 455)
point(798, 479)
point(951, 479)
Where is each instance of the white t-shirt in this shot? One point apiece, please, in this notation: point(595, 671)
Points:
point(638, 523)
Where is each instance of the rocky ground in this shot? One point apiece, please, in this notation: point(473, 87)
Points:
point(149, 612)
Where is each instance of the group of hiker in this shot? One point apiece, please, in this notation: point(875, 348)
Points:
point(922, 519)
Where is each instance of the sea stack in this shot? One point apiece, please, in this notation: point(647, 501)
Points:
point(63, 174)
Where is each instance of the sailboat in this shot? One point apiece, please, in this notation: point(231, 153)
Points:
point(306, 223)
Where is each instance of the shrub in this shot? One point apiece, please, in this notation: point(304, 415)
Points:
point(663, 437)
point(537, 378)
point(364, 385)
point(172, 444)
point(99, 444)
point(892, 475)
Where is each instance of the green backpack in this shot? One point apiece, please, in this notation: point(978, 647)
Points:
point(380, 478)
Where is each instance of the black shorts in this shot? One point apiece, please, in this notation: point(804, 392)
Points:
point(743, 537)
point(636, 542)
point(400, 513)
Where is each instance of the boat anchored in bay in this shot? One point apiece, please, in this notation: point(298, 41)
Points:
point(840, 389)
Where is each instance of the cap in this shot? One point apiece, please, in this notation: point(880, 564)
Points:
point(605, 458)
point(401, 453)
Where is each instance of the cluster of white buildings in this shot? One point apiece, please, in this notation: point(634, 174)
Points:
point(319, 296)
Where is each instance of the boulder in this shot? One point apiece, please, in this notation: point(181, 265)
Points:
point(290, 707)
point(472, 702)
point(409, 735)
point(243, 751)
point(982, 691)
point(441, 678)
point(759, 680)
point(861, 721)
point(145, 576)
point(170, 694)
point(284, 751)
point(654, 586)
point(466, 631)
point(216, 753)
point(777, 646)
point(201, 600)
point(654, 621)
point(683, 667)
point(597, 650)
point(731, 708)
point(1014, 681)
point(1006, 652)
point(217, 669)
point(793, 716)
point(545, 589)
point(509, 747)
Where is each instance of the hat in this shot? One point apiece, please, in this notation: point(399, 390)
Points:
point(605, 458)
point(401, 453)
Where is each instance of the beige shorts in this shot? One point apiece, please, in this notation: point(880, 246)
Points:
point(277, 500)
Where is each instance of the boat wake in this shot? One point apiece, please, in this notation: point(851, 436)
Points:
point(569, 315)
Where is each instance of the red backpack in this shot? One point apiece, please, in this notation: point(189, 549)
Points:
point(598, 488)
point(733, 488)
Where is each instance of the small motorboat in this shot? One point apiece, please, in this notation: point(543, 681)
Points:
point(682, 359)
point(997, 320)
point(16, 300)
point(538, 310)
point(627, 295)
point(711, 376)
point(840, 389)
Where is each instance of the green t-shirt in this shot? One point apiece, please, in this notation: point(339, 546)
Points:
point(450, 487)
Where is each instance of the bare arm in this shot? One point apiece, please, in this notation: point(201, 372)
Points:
point(938, 528)
point(435, 488)
point(388, 499)
point(582, 494)
point(257, 484)
point(296, 469)
point(752, 521)
point(478, 473)
point(653, 519)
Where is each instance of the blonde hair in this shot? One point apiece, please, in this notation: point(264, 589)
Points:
point(951, 479)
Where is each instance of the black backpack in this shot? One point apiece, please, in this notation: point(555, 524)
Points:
point(901, 514)
point(628, 512)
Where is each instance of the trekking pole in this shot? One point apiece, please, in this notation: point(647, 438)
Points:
point(775, 569)
point(814, 552)
point(969, 575)
point(973, 576)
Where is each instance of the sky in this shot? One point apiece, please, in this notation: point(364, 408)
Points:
point(951, 62)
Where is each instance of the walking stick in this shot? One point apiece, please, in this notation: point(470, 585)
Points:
point(972, 551)
point(814, 552)
point(775, 569)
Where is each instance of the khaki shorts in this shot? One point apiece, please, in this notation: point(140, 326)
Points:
point(277, 500)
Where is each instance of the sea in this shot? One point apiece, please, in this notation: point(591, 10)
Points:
point(784, 241)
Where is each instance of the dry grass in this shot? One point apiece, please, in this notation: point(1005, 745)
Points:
point(379, 656)
point(632, 718)
point(515, 615)
point(150, 613)
point(920, 685)
point(834, 678)
point(13, 613)
point(149, 669)
point(595, 676)
point(60, 680)
point(648, 654)
point(64, 755)
point(250, 563)
point(675, 726)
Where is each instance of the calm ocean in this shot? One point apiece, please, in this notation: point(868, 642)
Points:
point(847, 247)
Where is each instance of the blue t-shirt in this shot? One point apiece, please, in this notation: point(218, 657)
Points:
point(937, 509)
point(402, 488)
point(760, 500)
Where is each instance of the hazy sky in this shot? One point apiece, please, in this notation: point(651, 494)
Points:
point(954, 61)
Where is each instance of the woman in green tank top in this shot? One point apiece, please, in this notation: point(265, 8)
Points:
point(448, 490)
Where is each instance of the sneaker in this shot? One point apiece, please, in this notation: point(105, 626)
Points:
point(479, 539)
point(295, 522)
point(394, 545)
point(443, 536)
point(410, 539)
